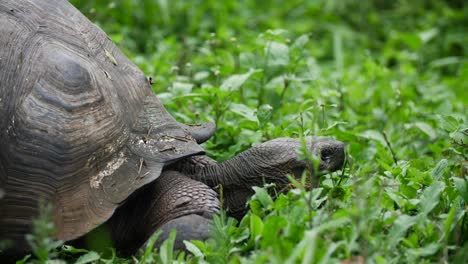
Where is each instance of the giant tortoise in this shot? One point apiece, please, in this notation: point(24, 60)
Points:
point(81, 128)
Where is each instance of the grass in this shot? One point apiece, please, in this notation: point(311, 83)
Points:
point(389, 78)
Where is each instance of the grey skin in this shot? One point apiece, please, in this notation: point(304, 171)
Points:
point(183, 198)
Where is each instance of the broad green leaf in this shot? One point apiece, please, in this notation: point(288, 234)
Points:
point(338, 50)
point(425, 251)
point(277, 54)
point(305, 247)
point(199, 244)
point(439, 169)
point(462, 187)
point(88, 258)
point(398, 230)
point(200, 76)
point(333, 224)
point(165, 10)
point(460, 137)
point(430, 197)
point(442, 62)
point(262, 195)
point(264, 114)
point(24, 259)
point(330, 250)
point(449, 221)
point(427, 35)
point(373, 135)
point(248, 60)
point(448, 123)
point(233, 82)
point(301, 41)
point(149, 248)
point(73, 250)
point(181, 89)
point(167, 248)
point(426, 128)
point(412, 40)
point(272, 227)
point(193, 249)
point(256, 226)
point(277, 32)
point(310, 246)
point(244, 111)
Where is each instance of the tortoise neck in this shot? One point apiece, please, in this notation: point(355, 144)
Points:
point(234, 172)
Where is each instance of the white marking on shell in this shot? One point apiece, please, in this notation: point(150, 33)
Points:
point(110, 168)
point(166, 139)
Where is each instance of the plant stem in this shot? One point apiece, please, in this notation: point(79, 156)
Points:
point(390, 147)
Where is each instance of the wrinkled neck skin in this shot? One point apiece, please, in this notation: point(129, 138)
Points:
point(236, 178)
point(238, 175)
point(239, 172)
point(268, 162)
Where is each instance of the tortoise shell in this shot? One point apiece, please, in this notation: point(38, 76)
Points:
point(80, 127)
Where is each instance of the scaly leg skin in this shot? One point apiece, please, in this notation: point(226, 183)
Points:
point(173, 201)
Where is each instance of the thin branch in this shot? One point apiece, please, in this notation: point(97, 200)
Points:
point(390, 147)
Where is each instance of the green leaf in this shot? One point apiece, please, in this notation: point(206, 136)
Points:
point(460, 137)
point(333, 224)
point(277, 32)
point(430, 197)
point(88, 258)
point(149, 248)
point(373, 135)
point(23, 260)
point(256, 226)
point(181, 89)
point(277, 54)
point(442, 62)
point(234, 82)
point(264, 114)
point(167, 248)
point(427, 35)
point(462, 187)
point(330, 249)
point(262, 195)
point(411, 40)
point(448, 123)
point(248, 60)
point(73, 250)
point(425, 251)
point(301, 41)
point(449, 221)
point(398, 230)
point(426, 128)
point(244, 111)
point(271, 230)
point(193, 249)
point(439, 169)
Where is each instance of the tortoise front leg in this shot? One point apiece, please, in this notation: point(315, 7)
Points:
point(173, 201)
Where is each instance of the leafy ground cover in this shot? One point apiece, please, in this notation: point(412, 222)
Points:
point(389, 78)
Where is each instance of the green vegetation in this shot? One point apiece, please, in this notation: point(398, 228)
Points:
point(389, 78)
